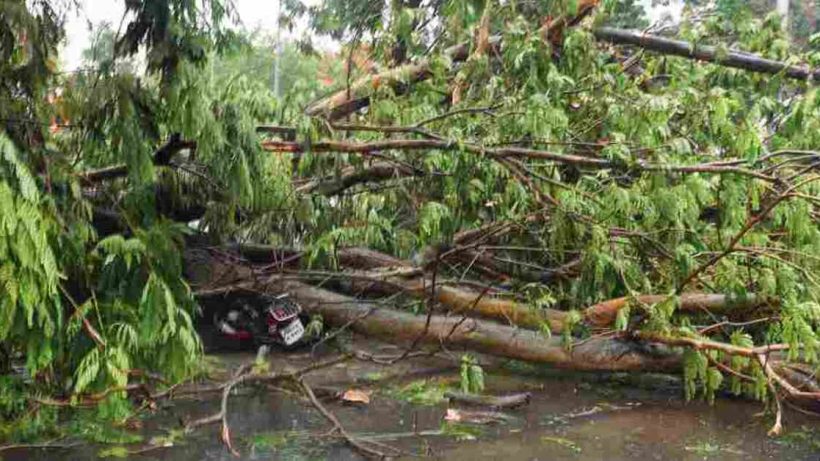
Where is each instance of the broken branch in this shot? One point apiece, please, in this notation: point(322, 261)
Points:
point(735, 59)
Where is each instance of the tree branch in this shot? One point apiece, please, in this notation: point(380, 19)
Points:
point(343, 103)
point(501, 153)
point(379, 171)
point(162, 156)
point(735, 59)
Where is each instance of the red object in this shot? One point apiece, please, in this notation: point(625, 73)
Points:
point(239, 335)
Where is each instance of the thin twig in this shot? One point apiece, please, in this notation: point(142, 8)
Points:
point(337, 426)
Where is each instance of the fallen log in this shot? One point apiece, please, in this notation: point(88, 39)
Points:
point(461, 301)
point(600, 315)
point(605, 313)
point(597, 354)
point(455, 299)
point(387, 274)
point(644, 352)
point(634, 350)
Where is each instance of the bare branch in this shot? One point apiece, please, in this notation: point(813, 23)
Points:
point(501, 153)
point(735, 59)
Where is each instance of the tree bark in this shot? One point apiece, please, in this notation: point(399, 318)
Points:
point(600, 315)
point(374, 271)
point(477, 335)
point(604, 314)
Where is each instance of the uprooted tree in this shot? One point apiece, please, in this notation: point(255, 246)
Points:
point(616, 200)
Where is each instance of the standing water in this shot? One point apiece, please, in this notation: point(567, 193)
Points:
point(577, 417)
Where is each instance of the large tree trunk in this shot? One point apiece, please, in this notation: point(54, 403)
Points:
point(376, 273)
point(476, 335)
point(632, 351)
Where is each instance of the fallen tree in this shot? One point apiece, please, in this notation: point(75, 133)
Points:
point(370, 271)
point(602, 315)
point(509, 179)
point(626, 351)
point(450, 331)
point(474, 335)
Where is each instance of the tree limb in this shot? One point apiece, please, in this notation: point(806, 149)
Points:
point(379, 171)
point(735, 59)
point(162, 156)
point(481, 336)
point(501, 153)
point(343, 103)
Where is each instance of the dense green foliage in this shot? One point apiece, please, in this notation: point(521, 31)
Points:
point(635, 231)
point(85, 305)
point(85, 311)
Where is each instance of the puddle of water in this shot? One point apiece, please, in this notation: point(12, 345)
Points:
point(565, 421)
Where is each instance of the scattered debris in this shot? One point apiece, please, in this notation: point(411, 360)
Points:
point(421, 392)
point(357, 396)
point(461, 431)
point(600, 408)
point(476, 417)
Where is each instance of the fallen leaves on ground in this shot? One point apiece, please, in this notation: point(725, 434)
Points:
point(357, 396)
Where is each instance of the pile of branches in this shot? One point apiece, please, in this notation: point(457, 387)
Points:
point(459, 317)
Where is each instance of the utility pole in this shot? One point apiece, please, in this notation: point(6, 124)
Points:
point(783, 11)
point(277, 50)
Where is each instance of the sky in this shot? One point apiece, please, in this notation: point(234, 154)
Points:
point(673, 8)
point(252, 13)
